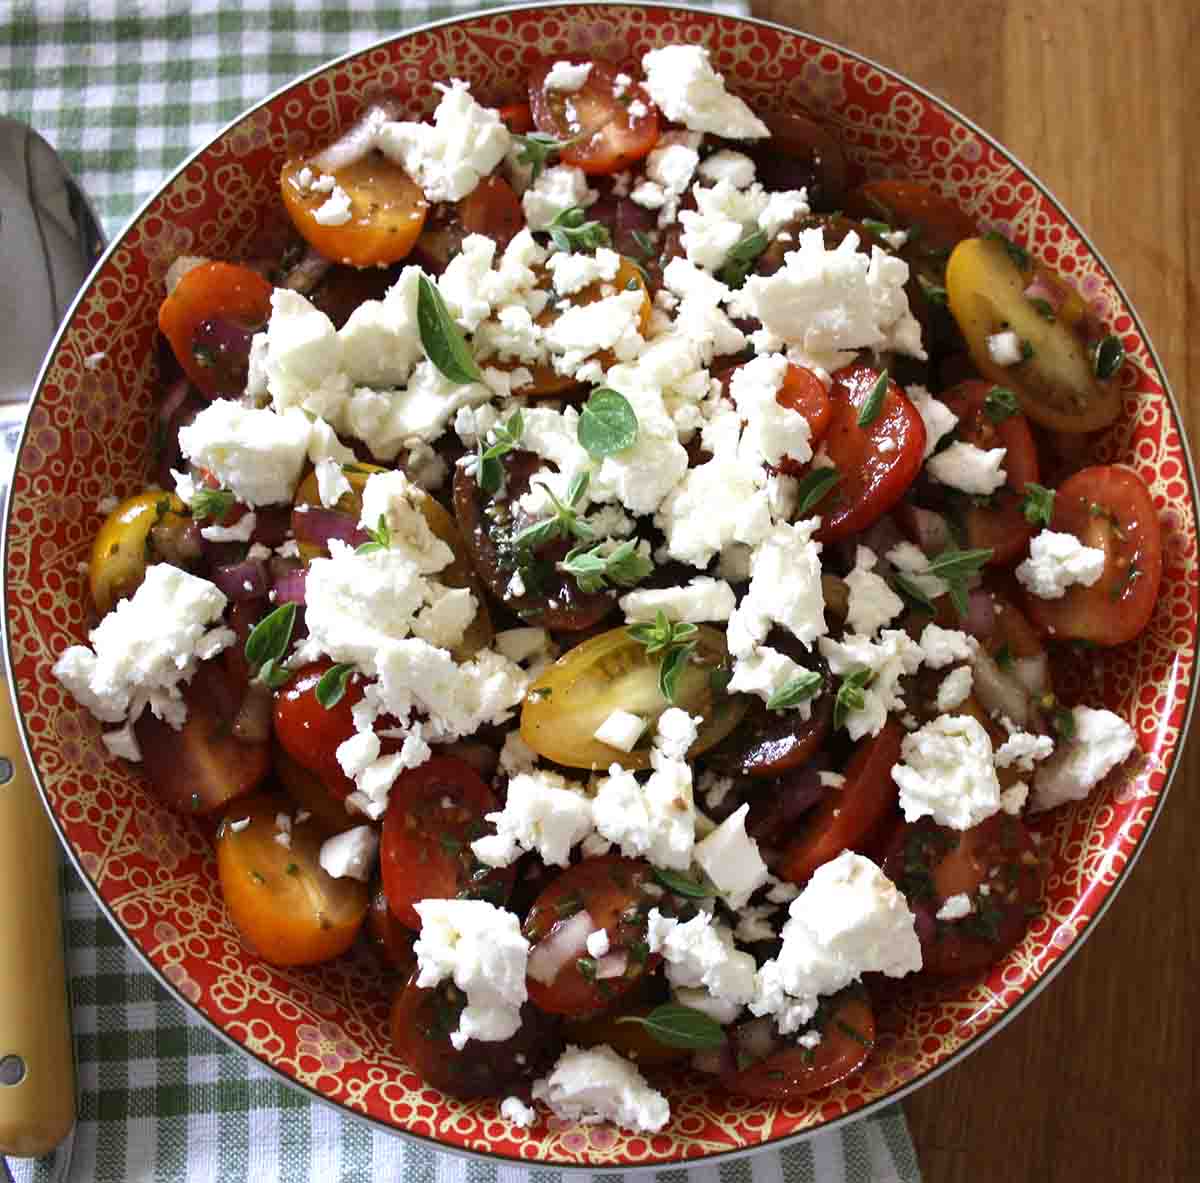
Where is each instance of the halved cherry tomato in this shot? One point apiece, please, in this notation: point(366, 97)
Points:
point(1000, 525)
point(634, 1041)
point(390, 939)
point(566, 705)
point(213, 307)
point(877, 462)
point(122, 549)
point(387, 211)
point(280, 898)
point(610, 137)
point(611, 890)
point(422, 1020)
point(309, 792)
point(801, 153)
point(494, 210)
point(847, 1029)
point(770, 743)
point(200, 768)
point(1110, 508)
point(995, 864)
point(850, 816)
point(434, 814)
point(309, 732)
point(517, 118)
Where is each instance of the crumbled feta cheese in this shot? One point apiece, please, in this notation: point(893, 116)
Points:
point(1022, 748)
point(621, 730)
point(1012, 799)
point(848, 921)
point(728, 165)
point(889, 659)
point(596, 1084)
point(516, 755)
point(872, 601)
point(752, 925)
point(969, 468)
point(1058, 561)
point(334, 210)
point(956, 907)
point(525, 644)
point(1102, 740)
point(567, 77)
point(147, 647)
point(515, 1111)
point(543, 812)
point(449, 156)
point(945, 646)
point(572, 271)
point(730, 858)
point(380, 342)
point(613, 322)
point(909, 559)
point(481, 947)
point(682, 82)
point(350, 853)
point(556, 189)
point(123, 744)
point(701, 954)
point(948, 773)
point(955, 689)
point(773, 431)
point(241, 531)
point(703, 598)
point(720, 1010)
point(1005, 349)
point(598, 943)
point(937, 417)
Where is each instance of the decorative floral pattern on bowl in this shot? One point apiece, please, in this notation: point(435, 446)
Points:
point(90, 434)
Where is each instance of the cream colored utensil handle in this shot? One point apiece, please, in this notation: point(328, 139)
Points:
point(37, 1070)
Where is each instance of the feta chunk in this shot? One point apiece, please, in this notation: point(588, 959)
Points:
point(481, 947)
point(937, 417)
point(945, 646)
point(701, 954)
point(956, 907)
point(558, 188)
point(544, 812)
point(595, 1084)
point(567, 77)
point(1102, 740)
point(621, 730)
point(948, 773)
point(1006, 348)
point(728, 165)
point(1058, 561)
point(573, 271)
point(773, 431)
point(350, 854)
point(969, 468)
point(955, 689)
point(1022, 749)
point(888, 660)
point(682, 82)
point(334, 210)
point(515, 1111)
point(730, 858)
point(872, 601)
point(703, 598)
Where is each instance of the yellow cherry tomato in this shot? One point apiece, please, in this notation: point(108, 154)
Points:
point(119, 553)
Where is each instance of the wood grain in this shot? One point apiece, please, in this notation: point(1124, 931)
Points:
point(1097, 1080)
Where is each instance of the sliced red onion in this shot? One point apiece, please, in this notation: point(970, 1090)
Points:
point(980, 621)
point(612, 965)
point(246, 580)
point(179, 407)
point(352, 145)
point(272, 524)
point(931, 531)
point(564, 942)
point(1033, 673)
point(316, 525)
point(307, 273)
point(998, 693)
point(253, 722)
point(228, 344)
point(290, 586)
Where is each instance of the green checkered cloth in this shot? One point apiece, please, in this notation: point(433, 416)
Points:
point(125, 90)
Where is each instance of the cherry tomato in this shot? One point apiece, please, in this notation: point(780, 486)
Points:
point(309, 732)
point(387, 211)
point(390, 939)
point(847, 1027)
point(122, 548)
point(800, 154)
point(801, 391)
point(1110, 508)
point(208, 320)
point(434, 813)
point(850, 816)
point(611, 890)
point(995, 864)
point(877, 462)
point(770, 743)
point(517, 118)
point(494, 210)
point(309, 792)
point(999, 525)
point(610, 138)
point(421, 1023)
point(203, 766)
point(634, 1041)
point(287, 908)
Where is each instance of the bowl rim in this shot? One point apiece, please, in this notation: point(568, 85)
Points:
point(972, 1042)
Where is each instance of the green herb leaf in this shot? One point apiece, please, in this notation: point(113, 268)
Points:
point(1038, 504)
point(270, 637)
point(380, 538)
point(680, 1026)
point(1064, 723)
point(684, 885)
point(505, 438)
point(332, 686)
point(869, 411)
point(570, 231)
point(816, 485)
point(272, 674)
point(536, 147)
point(907, 586)
point(741, 259)
point(850, 696)
point(661, 633)
point(999, 404)
point(645, 244)
point(1043, 308)
point(934, 292)
point(1004, 657)
point(956, 567)
point(800, 689)
point(564, 522)
point(211, 503)
point(623, 565)
point(607, 424)
point(876, 227)
point(1018, 254)
point(1109, 357)
point(587, 968)
point(673, 664)
point(1027, 350)
point(441, 338)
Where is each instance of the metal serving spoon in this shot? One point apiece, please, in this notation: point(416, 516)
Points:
point(49, 239)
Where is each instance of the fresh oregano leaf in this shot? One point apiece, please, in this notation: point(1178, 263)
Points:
point(685, 885)
point(680, 1026)
point(869, 411)
point(441, 338)
point(607, 424)
point(332, 686)
point(800, 689)
point(816, 485)
point(270, 637)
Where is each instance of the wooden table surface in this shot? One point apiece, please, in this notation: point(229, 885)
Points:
point(1097, 1080)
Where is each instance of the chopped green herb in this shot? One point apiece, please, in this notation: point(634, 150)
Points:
point(816, 485)
point(623, 565)
point(673, 663)
point(1129, 575)
point(1064, 723)
point(587, 968)
point(999, 404)
point(661, 633)
point(800, 689)
point(741, 258)
point(1004, 657)
point(1018, 254)
point(291, 869)
point(269, 638)
point(850, 695)
point(257, 877)
point(934, 292)
point(1043, 308)
point(536, 147)
point(607, 423)
point(908, 587)
point(505, 438)
point(719, 679)
point(1108, 357)
point(332, 686)
point(380, 538)
point(1038, 504)
point(564, 521)
point(869, 411)
point(854, 1033)
point(571, 903)
point(570, 231)
point(272, 674)
point(876, 227)
point(956, 567)
point(680, 1026)
point(684, 885)
point(441, 338)
point(1027, 351)
point(210, 503)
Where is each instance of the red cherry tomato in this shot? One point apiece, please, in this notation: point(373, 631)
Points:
point(1001, 525)
point(850, 816)
point(309, 732)
point(434, 814)
point(803, 391)
point(995, 864)
point(613, 138)
point(877, 462)
point(609, 889)
point(1110, 508)
point(847, 1037)
point(494, 210)
point(517, 118)
point(214, 293)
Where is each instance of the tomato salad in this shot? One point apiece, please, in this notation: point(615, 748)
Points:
point(612, 567)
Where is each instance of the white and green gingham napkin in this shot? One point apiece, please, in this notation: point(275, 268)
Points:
point(125, 89)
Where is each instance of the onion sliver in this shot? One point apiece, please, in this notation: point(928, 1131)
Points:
point(564, 942)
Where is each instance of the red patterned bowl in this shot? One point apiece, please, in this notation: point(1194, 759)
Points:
point(89, 435)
